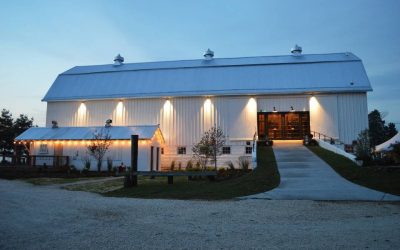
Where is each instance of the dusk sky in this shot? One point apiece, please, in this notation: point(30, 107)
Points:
point(41, 39)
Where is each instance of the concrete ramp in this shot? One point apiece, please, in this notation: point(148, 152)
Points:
point(304, 176)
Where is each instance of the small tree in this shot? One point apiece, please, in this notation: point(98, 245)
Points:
point(210, 146)
point(6, 133)
point(363, 149)
point(99, 146)
point(22, 123)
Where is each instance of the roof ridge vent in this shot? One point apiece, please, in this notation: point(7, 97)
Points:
point(209, 54)
point(118, 60)
point(296, 50)
point(54, 124)
point(108, 123)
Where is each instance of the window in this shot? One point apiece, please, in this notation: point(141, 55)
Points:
point(226, 150)
point(249, 150)
point(181, 150)
point(162, 151)
point(247, 143)
point(43, 150)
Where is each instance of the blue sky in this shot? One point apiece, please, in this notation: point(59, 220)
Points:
point(40, 39)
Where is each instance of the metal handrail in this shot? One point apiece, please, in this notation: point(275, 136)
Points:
point(325, 137)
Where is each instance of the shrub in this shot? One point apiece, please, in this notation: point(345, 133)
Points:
point(363, 149)
point(230, 165)
point(395, 153)
point(209, 169)
point(179, 166)
point(313, 142)
point(244, 162)
point(189, 164)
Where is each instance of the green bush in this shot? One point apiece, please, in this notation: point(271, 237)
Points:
point(363, 148)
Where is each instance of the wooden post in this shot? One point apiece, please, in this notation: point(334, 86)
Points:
point(134, 158)
point(170, 179)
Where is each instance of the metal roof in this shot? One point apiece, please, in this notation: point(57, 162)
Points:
point(87, 133)
point(290, 74)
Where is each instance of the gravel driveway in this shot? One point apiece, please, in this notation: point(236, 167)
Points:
point(35, 217)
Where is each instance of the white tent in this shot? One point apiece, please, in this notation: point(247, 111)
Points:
point(386, 145)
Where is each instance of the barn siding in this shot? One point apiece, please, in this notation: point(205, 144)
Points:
point(183, 120)
point(352, 115)
point(283, 103)
point(324, 115)
point(119, 152)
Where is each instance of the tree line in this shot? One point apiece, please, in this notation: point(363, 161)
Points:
point(379, 132)
point(9, 129)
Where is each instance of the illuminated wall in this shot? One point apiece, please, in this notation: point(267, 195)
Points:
point(341, 116)
point(324, 114)
point(183, 120)
point(119, 152)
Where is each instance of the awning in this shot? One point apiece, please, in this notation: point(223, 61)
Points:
point(145, 132)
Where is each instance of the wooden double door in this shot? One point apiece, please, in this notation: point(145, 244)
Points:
point(283, 125)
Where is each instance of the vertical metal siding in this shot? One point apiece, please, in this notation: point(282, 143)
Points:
point(324, 115)
point(184, 120)
point(353, 115)
point(283, 103)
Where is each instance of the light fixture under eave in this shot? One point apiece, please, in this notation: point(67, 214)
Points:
point(274, 110)
point(291, 109)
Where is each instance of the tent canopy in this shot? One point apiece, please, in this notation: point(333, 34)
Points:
point(386, 146)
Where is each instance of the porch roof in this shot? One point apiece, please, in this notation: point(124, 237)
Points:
point(145, 132)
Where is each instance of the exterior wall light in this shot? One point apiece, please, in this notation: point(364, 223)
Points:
point(274, 110)
point(291, 109)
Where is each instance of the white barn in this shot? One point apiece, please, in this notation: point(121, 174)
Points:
point(276, 97)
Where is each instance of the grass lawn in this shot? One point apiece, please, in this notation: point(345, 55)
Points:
point(51, 181)
point(265, 177)
point(373, 177)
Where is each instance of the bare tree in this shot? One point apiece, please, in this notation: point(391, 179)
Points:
point(99, 146)
point(210, 146)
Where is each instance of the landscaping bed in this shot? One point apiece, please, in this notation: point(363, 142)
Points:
point(384, 179)
point(17, 172)
point(265, 177)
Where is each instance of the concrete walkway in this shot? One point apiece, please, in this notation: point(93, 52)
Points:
point(304, 176)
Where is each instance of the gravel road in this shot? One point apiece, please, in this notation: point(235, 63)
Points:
point(36, 217)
